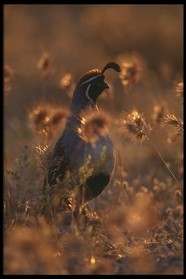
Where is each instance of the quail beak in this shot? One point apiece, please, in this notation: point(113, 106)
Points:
point(103, 85)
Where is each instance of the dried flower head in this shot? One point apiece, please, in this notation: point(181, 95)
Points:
point(39, 115)
point(173, 122)
point(159, 113)
point(45, 119)
point(8, 73)
point(130, 71)
point(92, 126)
point(179, 89)
point(135, 124)
point(39, 118)
point(60, 115)
point(66, 81)
point(43, 64)
point(162, 116)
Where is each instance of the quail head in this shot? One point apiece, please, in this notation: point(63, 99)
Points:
point(90, 166)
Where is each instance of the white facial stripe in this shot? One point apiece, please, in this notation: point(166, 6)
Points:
point(86, 93)
point(92, 78)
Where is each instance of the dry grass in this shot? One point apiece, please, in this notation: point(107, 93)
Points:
point(136, 225)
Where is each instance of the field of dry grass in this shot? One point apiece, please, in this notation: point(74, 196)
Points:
point(136, 225)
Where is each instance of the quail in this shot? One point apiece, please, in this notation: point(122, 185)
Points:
point(71, 152)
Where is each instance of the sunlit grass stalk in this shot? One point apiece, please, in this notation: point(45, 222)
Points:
point(159, 154)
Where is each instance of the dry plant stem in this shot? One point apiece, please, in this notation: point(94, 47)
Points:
point(180, 185)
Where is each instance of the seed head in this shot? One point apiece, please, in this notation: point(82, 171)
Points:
point(43, 64)
point(179, 89)
point(39, 115)
point(159, 112)
point(173, 122)
point(8, 73)
point(46, 119)
point(130, 71)
point(135, 124)
point(58, 116)
point(66, 81)
point(162, 116)
point(92, 126)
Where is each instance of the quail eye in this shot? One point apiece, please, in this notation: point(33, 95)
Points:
point(101, 79)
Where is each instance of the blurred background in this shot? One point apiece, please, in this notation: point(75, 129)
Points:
point(80, 37)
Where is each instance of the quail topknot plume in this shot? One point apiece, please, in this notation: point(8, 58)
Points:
point(72, 152)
